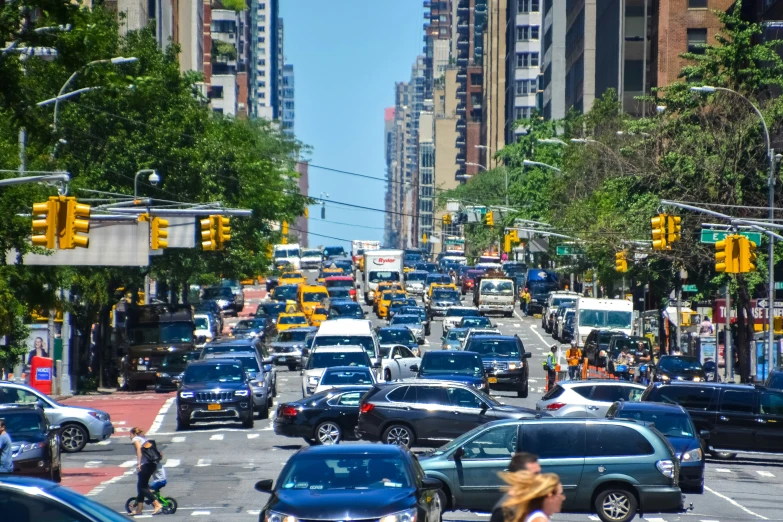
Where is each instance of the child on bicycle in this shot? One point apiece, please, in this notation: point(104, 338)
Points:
point(158, 479)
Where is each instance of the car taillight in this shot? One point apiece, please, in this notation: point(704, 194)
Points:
point(352, 291)
point(555, 406)
point(366, 408)
point(289, 411)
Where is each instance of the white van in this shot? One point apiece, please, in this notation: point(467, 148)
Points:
point(601, 314)
point(288, 253)
point(348, 332)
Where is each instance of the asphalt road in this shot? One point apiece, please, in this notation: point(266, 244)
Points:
point(212, 468)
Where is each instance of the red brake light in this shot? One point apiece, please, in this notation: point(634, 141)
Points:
point(366, 408)
point(352, 291)
point(289, 411)
point(555, 406)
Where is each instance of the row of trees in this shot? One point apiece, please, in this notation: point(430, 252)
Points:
point(143, 115)
point(708, 150)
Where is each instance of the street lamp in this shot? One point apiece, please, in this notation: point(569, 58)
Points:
point(476, 165)
point(528, 163)
point(39, 30)
point(154, 179)
point(551, 141)
point(708, 89)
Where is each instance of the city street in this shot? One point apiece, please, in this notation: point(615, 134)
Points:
point(212, 468)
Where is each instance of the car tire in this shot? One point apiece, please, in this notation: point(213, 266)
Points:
point(248, 423)
point(615, 504)
point(182, 424)
point(328, 433)
point(263, 412)
point(291, 367)
point(399, 435)
point(57, 475)
point(723, 455)
point(73, 438)
point(444, 503)
point(523, 393)
point(387, 376)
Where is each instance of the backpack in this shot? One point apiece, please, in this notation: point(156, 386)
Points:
point(150, 450)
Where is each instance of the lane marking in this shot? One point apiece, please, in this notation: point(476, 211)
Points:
point(161, 415)
point(722, 470)
point(534, 328)
point(734, 503)
point(765, 473)
point(172, 463)
point(593, 517)
point(202, 463)
point(254, 512)
point(650, 519)
point(253, 435)
point(178, 439)
point(201, 513)
point(217, 436)
point(93, 464)
point(128, 464)
point(104, 442)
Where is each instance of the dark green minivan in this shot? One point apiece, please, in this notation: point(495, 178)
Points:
point(613, 468)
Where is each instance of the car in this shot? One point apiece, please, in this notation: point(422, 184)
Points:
point(225, 298)
point(425, 266)
point(774, 380)
point(330, 271)
point(397, 362)
point(333, 251)
point(738, 418)
point(215, 390)
point(285, 292)
point(172, 368)
point(637, 346)
point(250, 328)
point(414, 282)
point(294, 278)
point(454, 315)
point(477, 331)
point(590, 398)
point(677, 368)
point(345, 283)
point(474, 322)
point(230, 346)
point(327, 417)
point(441, 300)
point(347, 309)
point(204, 330)
point(613, 468)
point(554, 301)
point(310, 297)
point(358, 482)
point(394, 335)
point(398, 304)
point(342, 376)
point(452, 340)
point(323, 357)
point(504, 362)
point(566, 332)
point(271, 310)
point(36, 444)
point(422, 313)
point(311, 259)
point(677, 426)
point(457, 366)
point(385, 302)
point(287, 346)
point(26, 499)
point(596, 346)
point(557, 320)
point(468, 280)
point(213, 310)
point(412, 322)
point(426, 412)
point(286, 321)
point(78, 425)
point(261, 376)
point(319, 315)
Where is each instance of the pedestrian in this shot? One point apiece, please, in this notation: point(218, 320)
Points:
point(147, 458)
point(521, 461)
point(574, 358)
point(706, 327)
point(6, 459)
point(532, 497)
point(551, 367)
point(525, 301)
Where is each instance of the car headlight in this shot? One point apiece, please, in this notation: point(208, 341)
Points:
point(272, 516)
point(512, 366)
point(694, 455)
point(186, 395)
point(409, 515)
point(32, 446)
point(99, 415)
point(312, 381)
point(222, 302)
point(665, 377)
point(241, 393)
point(697, 379)
point(161, 374)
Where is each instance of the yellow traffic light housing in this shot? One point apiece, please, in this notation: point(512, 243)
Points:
point(447, 219)
point(727, 255)
point(45, 227)
point(658, 224)
point(673, 230)
point(507, 243)
point(223, 231)
point(490, 218)
point(284, 232)
point(621, 261)
point(77, 220)
point(208, 239)
point(159, 233)
point(747, 255)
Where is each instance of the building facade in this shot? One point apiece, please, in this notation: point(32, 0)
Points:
point(264, 68)
point(495, 69)
point(523, 60)
point(287, 112)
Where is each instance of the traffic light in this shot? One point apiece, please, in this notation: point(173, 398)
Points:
point(747, 255)
point(45, 227)
point(223, 231)
point(621, 261)
point(447, 219)
point(507, 243)
point(77, 219)
point(727, 255)
point(284, 232)
point(159, 233)
point(658, 224)
point(424, 238)
point(673, 230)
point(491, 218)
point(208, 239)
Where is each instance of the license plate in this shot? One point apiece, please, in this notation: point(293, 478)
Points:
point(283, 359)
point(493, 380)
point(213, 407)
point(141, 368)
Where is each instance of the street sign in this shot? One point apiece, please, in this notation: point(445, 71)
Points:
point(569, 250)
point(779, 285)
point(713, 236)
point(689, 288)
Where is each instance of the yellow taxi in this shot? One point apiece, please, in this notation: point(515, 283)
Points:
point(438, 285)
point(319, 315)
point(288, 321)
point(292, 278)
point(310, 296)
point(330, 271)
point(385, 302)
point(383, 287)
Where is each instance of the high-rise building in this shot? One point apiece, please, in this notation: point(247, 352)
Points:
point(426, 171)
point(287, 97)
point(553, 62)
point(523, 67)
point(393, 183)
point(446, 139)
point(264, 68)
point(495, 73)
point(302, 167)
point(223, 89)
point(437, 41)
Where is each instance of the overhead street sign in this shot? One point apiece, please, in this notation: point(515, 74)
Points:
point(713, 236)
point(689, 288)
point(569, 250)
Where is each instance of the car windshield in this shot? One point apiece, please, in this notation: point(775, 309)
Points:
point(314, 297)
point(217, 372)
point(292, 319)
point(679, 364)
point(176, 333)
point(605, 319)
point(218, 292)
point(228, 348)
point(202, 323)
point(273, 309)
point(334, 283)
point(456, 335)
point(395, 335)
point(634, 345)
point(347, 471)
point(286, 252)
point(364, 341)
point(488, 286)
point(435, 363)
point(23, 422)
point(438, 278)
point(670, 424)
point(311, 253)
point(405, 319)
point(249, 324)
point(347, 378)
point(347, 310)
point(564, 301)
point(414, 310)
point(415, 277)
point(285, 292)
point(291, 336)
point(379, 277)
point(473, 322)
point(328, 359)
point(178, 361)
point(445, 293)
point(472, 274)
point(339, 292)
point(250, 364)
point(494, 347)
point(462, 312)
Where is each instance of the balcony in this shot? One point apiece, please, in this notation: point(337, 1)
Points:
point(463, 27)
point(461, 110)
point(461, 76)
point(427, 4)
point(461, 124)
point(460, 142)
point(463, 44)
point(462, 61)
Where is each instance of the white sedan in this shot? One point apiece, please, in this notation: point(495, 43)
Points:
point(398, 362)
point(342, 376)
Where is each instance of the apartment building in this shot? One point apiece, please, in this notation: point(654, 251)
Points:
point(495, 70)
point(437, 40)
point(446, 140)
point(264, 63)
point(523, 65)
point(287, 111)
point(302, 167)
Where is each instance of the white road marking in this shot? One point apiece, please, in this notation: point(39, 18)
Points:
point(534, 328)
point(253, 435)
point(734, 503)
point(765, 473)
point(117, 423)
point(128, 464)
point(161, 415)
point(593, 517)
point(254, 512)
point(649, 519)
point(178, 439)
point(201, 513)
point(722, 470)
point(93, 464)
point(202, 463)
point(517, 325)
point(216, 436)
point(171, 463)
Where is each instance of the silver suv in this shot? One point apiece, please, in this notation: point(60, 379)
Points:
point(591, 398)
point(78, 425)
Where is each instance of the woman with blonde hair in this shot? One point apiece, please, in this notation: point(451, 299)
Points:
point(531, 497)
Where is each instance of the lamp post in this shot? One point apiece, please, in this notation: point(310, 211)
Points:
point(528, 163)
point(708, 89)
point(154, 179)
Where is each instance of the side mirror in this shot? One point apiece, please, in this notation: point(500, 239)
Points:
point(443, 338)
point(376, 365)
point(459, 453)
point(268, 367)
point(398, 356)
point(264, 486)
point(414, 367)
point(431, 483)
point(305, 352)
point(420, 341)
point(704, 434)
point(527, 355)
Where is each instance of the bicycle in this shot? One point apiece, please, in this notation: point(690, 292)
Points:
point(169, 504)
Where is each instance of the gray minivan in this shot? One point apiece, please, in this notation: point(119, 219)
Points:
point(613, 468)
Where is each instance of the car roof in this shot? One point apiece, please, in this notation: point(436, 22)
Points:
point(715, 384)
point(338, 278)
point(301, 329)
point(348, 326)
point(204, 362)
point(339, 349)
point(394, 327)
point(353, 449)
point(415, 316)
point(603, 382)
point(241, 341)
point(451, 352)
point(17, 481)
point(649, 406)
point(494, 336)
point(234, 355)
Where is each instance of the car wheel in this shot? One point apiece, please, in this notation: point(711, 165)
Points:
point(73, 438)
point(723, 455)
point(328, 433)
point(249, 422)
point(263, 413)
point(615, 504)
point(442, 503)
point(523, 393)
point(182, 424)
point(291, 367)
point(387, 376)
point(57, 474)
point(399, 435)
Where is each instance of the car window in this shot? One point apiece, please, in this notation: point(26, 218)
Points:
point(689, 397)
point(399, 395)
point(350, 399)
point(554, 393)
point(632, 394)
point(10, 395)
point(775, 380)
point(554, 440)
point(738, 400)
point(496, 443)
point(607, 440)
point(16, 506)
point(462, 398)
point(771, 403)
point(405, 352)
point(584, 391)
point(608, 393)
point(431, 395)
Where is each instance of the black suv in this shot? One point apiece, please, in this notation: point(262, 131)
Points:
point(215, 389)
point(677, 368)
point(225, 298)
point(504, 361)
point(596, 346)
point(427, 412)
point(738, 417)
point(36, 445)
point(774, 380)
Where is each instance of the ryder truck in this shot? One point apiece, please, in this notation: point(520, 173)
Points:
point(380, 266)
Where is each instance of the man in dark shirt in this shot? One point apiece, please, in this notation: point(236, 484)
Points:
point(521, 461)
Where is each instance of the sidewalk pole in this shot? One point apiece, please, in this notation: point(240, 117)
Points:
point(65, 374)
point(727, 356)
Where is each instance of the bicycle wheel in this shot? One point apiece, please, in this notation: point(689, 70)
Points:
point(169, 506)
point(130, 505)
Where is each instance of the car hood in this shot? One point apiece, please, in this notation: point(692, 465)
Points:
point(491, 359)
point(314, 372)
point(350, 504)
point(287, 345)
point(683, 444)
point(67, 409)
point(213, 385)
point(204, 332)
point(515, 411)
point(467, 379)
point(18, 438)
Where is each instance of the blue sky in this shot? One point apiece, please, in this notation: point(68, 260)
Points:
point(347, 54)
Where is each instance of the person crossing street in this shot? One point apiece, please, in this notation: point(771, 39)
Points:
point(574, 358)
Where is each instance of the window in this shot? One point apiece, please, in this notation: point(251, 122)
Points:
point(771, 403)
point(584, 391)
point(18, 506)
point(529, 6)
point(608, 393)
point(738, 400)
point(495, 443)
point(261, 61)
point(350, 399)
point(475, 79)
point(606, 440)
point(697, 40)
point(525, 87)
point(399, 394)
point(431, 395)
point(697, 4)
point(690, 397)
point(522, 113)
point(462, 398)
point(261, 39)
point(10, 395)
point(216, 92)
point(534, 32)
point(554, 440)
point(527, 32)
